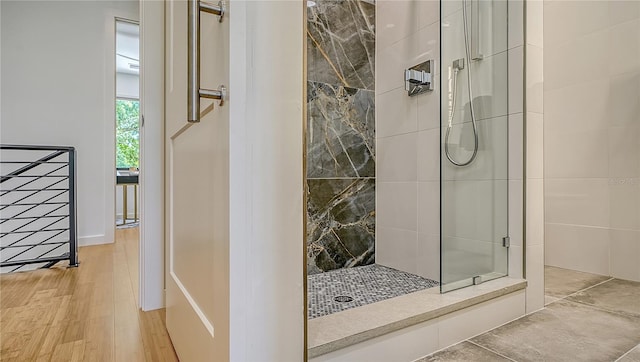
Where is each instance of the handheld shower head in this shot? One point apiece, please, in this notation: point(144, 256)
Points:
point(458, 64)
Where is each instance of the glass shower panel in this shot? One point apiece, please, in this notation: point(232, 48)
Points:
point(474, 144)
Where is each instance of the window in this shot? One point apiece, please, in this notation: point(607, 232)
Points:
point(127, 133)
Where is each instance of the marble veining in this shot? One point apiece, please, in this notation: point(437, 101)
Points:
point(341, 134)
point(341, 131)
point(341, 223)
point(341, 43)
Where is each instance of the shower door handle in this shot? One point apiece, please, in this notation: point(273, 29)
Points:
point(194, 93)
point(475, 30)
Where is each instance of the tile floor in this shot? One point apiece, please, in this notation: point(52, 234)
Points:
point(587, 318)
point(363, 285)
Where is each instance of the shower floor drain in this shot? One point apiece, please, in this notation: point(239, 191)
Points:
point(343, 299)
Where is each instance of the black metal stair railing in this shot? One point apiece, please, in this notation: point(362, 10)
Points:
point(38, 220)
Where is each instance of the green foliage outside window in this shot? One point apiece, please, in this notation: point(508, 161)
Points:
point(127, 133)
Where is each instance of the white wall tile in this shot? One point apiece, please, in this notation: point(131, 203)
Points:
point(428, 265)
point(565, 21)
point(450, 6)
point(535, 145)
point(491, 160)
point(429, 45)
point(492, 39)
point(397, 248)
point(625, 254)
point(429, 207)
point(490, 86)
point(475, 210)
point(592, 148)
point(429, 155)
point(516, 140)
point(515, 262)
point(577, 201)
point(624, 151)
point(399, 47)
point(567, 64)
point(624, 203)
point(396, 113)
point(578, 247)
point(395, 20)
point(452, 37)
point(535, 232)
point(466, 258)
point(516, 23)
point(428, 12)
point(622, 11)
point(624, 99)
point(534, 23)
point(516, 204)
point(583, 154)
point(470, 322)
point(577, 107)
point(407, 344)
point(534, 78)
point(396, 159)
point(396, 205)
point(429, 107)
point(624, 48)
point(535, 277)
point(392, 60)
point(516, 79)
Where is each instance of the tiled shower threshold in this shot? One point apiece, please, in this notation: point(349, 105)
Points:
point(342, 329)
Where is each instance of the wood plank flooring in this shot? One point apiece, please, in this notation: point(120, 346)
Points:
point(88, 313)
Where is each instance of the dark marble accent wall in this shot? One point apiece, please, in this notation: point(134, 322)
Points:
point(340, 135)
point(341, 43)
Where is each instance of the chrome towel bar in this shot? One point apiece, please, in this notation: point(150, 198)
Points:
point(194, 93)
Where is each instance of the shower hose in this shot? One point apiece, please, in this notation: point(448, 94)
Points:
point(456, 70)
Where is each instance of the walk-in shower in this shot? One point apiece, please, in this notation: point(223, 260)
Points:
point(406, 164)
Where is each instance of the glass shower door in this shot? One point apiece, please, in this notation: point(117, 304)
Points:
point(474, 144)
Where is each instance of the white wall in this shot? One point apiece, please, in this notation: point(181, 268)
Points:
point(127, 85)
point(58, 88)
point(533, 112)
point(152, 238)
point(592, 136)
point(266, 246)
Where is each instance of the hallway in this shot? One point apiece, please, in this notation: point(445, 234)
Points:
point(587, 318)
point(88, 313)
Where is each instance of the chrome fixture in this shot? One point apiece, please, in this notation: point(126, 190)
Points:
point(218, 9)
point(475, 31)
point(419, 79)
point(220, 93)
point(457, 66)
point(194, 93)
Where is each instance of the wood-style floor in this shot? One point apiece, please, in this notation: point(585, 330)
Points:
point(87, 313)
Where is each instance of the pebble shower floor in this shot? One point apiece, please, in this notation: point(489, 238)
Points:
point(363, 285)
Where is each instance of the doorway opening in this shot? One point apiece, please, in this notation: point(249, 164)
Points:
point(127, 144)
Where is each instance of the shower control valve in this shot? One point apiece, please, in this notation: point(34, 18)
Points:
point(419, 79)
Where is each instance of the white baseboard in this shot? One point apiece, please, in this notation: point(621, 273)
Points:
point(93, 240)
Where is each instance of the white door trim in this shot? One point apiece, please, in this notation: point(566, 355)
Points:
point(152, 233)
